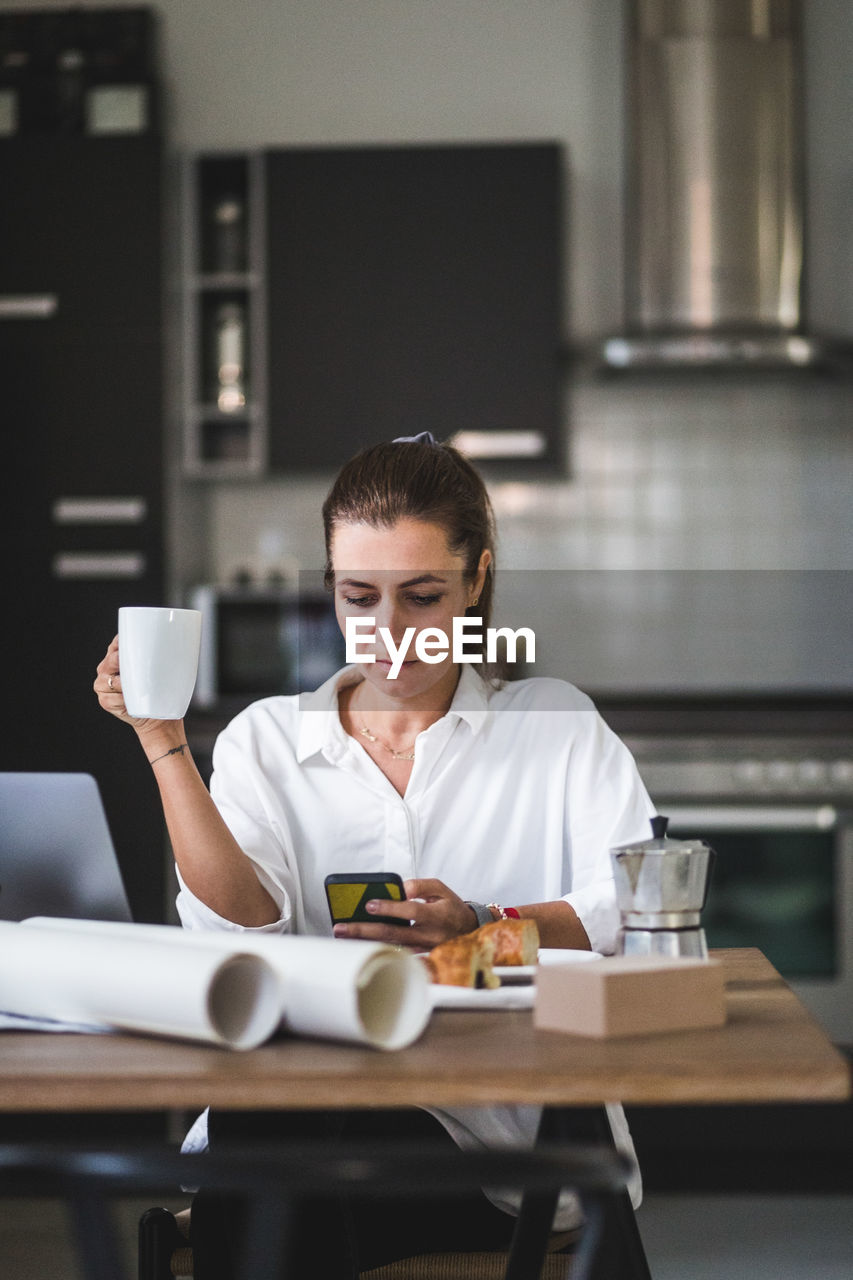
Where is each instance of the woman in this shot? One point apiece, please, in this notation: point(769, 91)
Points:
point(481, 795)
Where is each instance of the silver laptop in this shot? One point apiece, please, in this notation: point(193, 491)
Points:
point(56, 853)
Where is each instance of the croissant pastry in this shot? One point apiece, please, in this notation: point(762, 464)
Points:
point(515, 941)
point(468, 959)
point(463, 961)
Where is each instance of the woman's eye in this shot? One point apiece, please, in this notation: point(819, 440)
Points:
point(370, 601)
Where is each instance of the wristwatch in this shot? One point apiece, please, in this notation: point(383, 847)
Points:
point(482, 912)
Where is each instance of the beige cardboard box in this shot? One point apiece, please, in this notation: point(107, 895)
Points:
point(629, 995)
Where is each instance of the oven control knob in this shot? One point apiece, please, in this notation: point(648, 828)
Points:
point(781, 773)
point(841, 773)
point(749, 773)
point(811, 773)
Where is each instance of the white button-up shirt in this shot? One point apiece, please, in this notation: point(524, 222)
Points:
point(516, 795)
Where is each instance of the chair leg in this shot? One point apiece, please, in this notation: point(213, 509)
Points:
point(620, 1249)
point(159, 1237)
point(530, 1237)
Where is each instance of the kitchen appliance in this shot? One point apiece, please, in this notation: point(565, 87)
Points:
point(778, 809)
point(715, 186)
point(661, 887)
point(261, 639)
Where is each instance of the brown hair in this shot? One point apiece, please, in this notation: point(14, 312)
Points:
point(419, 480)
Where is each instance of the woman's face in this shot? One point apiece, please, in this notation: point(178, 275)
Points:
point(402, 576)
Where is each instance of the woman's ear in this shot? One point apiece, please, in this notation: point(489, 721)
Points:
point(480, 577)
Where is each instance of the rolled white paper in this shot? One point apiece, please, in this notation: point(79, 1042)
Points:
point(121, 981)
point(365, 992)
point(349, 990)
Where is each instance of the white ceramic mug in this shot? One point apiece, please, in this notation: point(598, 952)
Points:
point(158, 660)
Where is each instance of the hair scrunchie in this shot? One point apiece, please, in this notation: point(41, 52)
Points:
point(423, 437)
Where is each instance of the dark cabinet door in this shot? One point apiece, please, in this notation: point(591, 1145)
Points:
point(80, 415)
point(80, 218)
point(411, 289)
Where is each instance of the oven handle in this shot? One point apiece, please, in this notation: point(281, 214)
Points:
point(743, 817)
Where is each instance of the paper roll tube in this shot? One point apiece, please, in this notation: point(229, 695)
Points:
point(365, 992)
point(122, 981)
point(350, 990)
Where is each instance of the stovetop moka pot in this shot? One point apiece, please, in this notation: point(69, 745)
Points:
point(661, 887)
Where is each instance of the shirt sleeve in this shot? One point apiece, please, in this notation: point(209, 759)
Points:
point(255, 816)
point(607, 806)
point(195, 914)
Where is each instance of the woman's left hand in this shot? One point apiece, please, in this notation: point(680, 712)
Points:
point(435, 914)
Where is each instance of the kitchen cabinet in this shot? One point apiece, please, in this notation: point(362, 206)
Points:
point(387, 290)
point(80, 362)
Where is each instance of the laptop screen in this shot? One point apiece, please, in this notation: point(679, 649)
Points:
point(56, 853)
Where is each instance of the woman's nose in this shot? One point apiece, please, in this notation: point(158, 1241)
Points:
point(390, 616)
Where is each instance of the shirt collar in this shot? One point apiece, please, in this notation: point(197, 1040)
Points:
point(471, 699)
point(319, 722)
point(320, 725)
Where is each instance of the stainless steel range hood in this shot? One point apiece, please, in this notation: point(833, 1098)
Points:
point(714, 234)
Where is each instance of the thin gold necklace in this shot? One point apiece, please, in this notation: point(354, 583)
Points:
point(408, 753)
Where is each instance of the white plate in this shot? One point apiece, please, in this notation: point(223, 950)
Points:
point(517, 990)
point(511, 997)
point(521, 973)
point(515, 973)
point(558, 955)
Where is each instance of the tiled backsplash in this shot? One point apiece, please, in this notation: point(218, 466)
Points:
point(711, 474)
point(723, 472)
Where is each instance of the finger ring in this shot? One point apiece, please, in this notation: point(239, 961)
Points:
point(109, 682)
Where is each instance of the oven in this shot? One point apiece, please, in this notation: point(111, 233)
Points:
point(779, 813)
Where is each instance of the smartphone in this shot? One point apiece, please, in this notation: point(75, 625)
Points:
point(347, 893)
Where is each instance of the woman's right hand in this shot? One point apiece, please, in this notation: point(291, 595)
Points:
point(108, 684)
point(108, 688)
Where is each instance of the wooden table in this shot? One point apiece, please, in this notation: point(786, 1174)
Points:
point(769, 1050)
